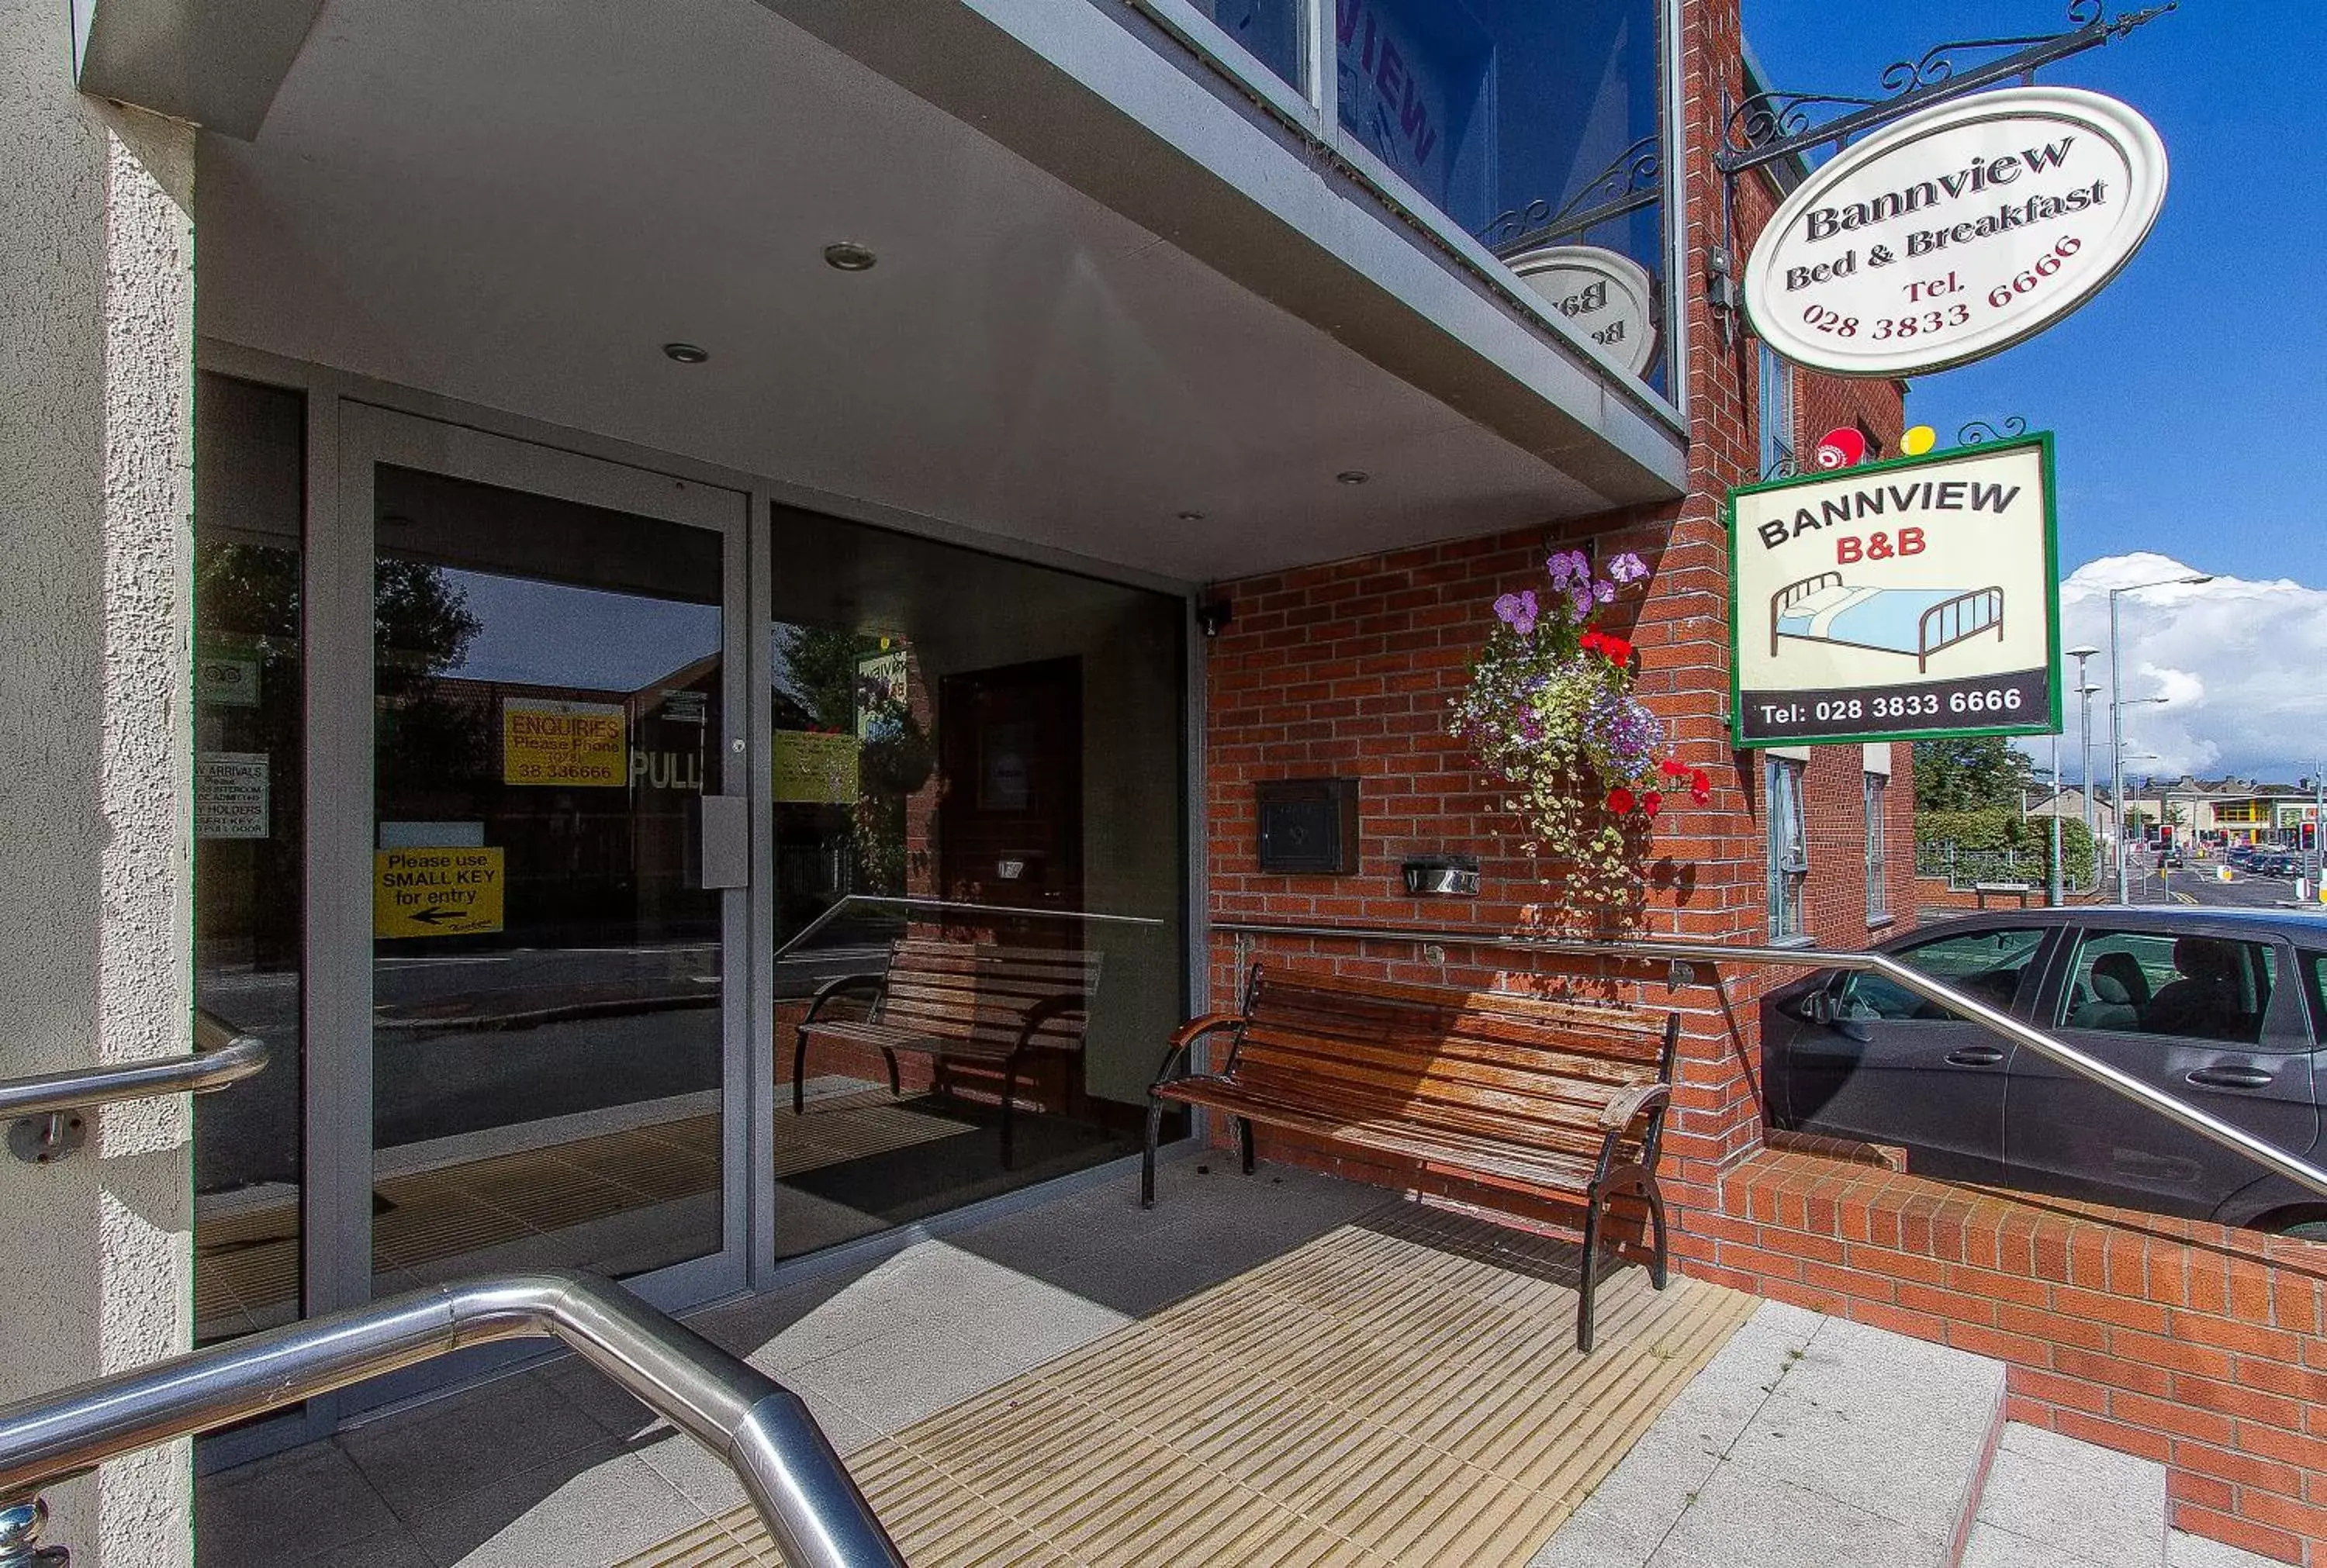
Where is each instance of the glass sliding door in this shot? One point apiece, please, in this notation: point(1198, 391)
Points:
point(980, 867)
point(553, 1018)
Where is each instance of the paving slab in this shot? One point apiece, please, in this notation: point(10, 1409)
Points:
point(2055, 1499)
point(1807, 1438)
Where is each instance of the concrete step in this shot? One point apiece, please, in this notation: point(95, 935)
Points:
point(1808, 1439)
point(2053, 1502)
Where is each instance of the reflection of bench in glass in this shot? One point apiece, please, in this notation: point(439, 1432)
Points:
point(1516, 1092)
point(961, 1001)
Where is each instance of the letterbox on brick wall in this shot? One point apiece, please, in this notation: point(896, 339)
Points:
point(1308, 827)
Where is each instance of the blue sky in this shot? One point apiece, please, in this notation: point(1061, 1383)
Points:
point(2190, 396)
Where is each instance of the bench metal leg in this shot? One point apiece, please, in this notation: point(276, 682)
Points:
point(1009, 1103)
point(1656, 1227)
point(1587, 1283)
point(799, 1072)
point(890, 1058)
point(1147, 1159)
point(1244, 1141)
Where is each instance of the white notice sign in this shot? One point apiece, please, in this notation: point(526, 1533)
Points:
point(230, 798)
point(1898, 601)
point(1957, 232)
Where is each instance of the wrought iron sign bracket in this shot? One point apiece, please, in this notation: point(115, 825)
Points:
point(1769, 127)
point(1634, 180)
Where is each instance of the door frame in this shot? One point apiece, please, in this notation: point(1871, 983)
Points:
point(339, 564)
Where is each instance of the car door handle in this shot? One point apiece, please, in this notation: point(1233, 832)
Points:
point(2230, 1077)
point(1975, 1056)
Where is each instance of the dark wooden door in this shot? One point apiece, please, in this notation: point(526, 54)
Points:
point(1010, 830)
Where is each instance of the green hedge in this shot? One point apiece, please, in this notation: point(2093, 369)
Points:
point(1998, 829)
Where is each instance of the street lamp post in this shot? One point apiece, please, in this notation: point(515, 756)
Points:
point(2085, 689)
point(2056, 900)
point(2117, 713)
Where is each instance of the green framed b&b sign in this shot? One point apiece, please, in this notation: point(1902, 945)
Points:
point(1899, 601)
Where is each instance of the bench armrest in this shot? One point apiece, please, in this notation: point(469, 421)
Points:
point(1185, 1037)
point(1048, 1008)
point(867, 984)
point(1619, 1113)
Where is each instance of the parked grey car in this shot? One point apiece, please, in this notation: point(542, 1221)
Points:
point(2221, 1007)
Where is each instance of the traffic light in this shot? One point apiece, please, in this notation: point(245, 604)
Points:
point(2310, 836)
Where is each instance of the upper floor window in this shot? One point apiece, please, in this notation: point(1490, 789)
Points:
point(1790, 849)
point(1878, 891)
point(1776, 416)
point(1533, 128)
point(1267, 30)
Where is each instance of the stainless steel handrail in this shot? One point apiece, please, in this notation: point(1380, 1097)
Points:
point(1682, 950)
point(845, 900)
point(40, 1111)
point(813, 1510)
point(81, 1087)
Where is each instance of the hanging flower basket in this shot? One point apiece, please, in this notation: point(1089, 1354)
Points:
point(1549, 711)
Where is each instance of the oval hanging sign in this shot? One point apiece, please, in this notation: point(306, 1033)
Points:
point(1956, 233)
point(1603, 293)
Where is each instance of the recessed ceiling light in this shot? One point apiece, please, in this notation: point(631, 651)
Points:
point(1352, 476)
point(849, 256)
point(686, 353)
point(1190, 517)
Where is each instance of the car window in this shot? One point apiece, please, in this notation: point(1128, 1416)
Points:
point(2314, 991)
point(2182, 985)
point(1988, 963)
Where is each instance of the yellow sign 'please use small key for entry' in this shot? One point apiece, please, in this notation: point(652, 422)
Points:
point(436, 892)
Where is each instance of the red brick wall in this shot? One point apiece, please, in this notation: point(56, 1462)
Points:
point(1347, 669)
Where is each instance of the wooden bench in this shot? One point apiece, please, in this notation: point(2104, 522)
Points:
point(1516, 1092)
point(971, 1001)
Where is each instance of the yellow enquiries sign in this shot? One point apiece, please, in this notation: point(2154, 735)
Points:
point(436, 892)
point(584, 744)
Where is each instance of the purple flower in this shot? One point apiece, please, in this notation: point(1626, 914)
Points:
point(1530, 728)
point(1517, 612)
point(1605, 592)
point(1579, 595)
point(1568, 565)
point(1627, 568)
point(1625, 732)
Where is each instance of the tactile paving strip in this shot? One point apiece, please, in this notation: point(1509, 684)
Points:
point(1403, 1390)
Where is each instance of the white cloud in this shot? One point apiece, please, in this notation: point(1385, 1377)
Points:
point(2242, 664)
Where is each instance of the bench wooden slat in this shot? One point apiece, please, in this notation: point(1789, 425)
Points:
point(976, 1001)
point(1500, 1087)
point(1545, 1167)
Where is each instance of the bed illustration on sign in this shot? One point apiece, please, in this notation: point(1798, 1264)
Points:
point(1915, 623)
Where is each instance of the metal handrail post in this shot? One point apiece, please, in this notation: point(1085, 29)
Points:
point(1681, 950)
point(813, 1510)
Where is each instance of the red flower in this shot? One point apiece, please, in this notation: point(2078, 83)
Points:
point(1620, 800)
point(1593, 640)
point(1673, 768)
point(1651, 803)
point(1700, 788)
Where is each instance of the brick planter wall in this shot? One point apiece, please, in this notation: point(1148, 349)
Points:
point(2197, 1346)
